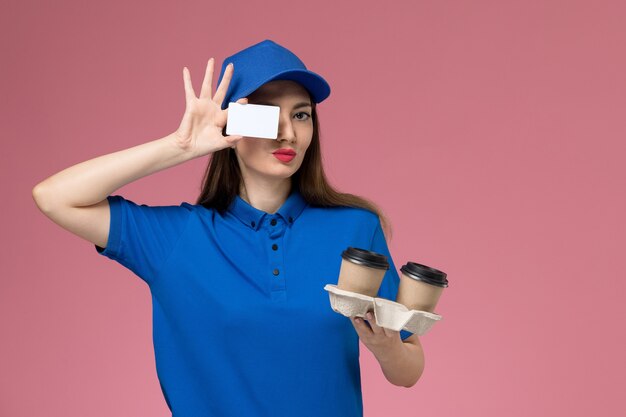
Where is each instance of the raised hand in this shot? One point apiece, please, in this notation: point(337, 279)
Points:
point(200, 131)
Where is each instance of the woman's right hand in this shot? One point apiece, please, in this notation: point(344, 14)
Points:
point(200, 131)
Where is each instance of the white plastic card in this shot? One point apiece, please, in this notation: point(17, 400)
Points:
point(252, 120)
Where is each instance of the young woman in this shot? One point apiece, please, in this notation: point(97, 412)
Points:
point(242, 324)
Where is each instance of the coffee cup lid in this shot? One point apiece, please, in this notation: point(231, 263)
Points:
point(365, 258)
point(425, 273)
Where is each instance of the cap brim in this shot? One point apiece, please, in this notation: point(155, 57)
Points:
point(314, 83)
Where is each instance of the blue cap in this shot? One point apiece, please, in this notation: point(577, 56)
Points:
point(267, 61)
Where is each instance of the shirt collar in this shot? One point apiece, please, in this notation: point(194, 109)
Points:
point(252, 217)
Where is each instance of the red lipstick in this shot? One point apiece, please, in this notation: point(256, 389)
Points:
point(284, 154)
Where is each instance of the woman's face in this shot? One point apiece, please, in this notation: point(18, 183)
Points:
point(295, 131)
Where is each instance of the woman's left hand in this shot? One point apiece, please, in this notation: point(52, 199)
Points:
point(379, 340)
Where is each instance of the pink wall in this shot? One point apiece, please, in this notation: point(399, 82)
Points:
point(492, 133)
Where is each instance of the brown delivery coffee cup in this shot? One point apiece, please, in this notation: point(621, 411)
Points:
point(420, 287)
point(362, 271)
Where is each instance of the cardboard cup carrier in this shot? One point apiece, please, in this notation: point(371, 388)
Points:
point(360, 277)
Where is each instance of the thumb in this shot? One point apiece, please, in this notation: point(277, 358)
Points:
point(242, 100)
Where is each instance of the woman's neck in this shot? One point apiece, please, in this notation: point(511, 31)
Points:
point(267, 196)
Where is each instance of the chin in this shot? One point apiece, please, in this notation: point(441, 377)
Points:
point(282, 172)
point(285, 173)
point(281, 167)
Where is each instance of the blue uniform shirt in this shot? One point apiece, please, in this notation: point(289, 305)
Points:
point(242, 325)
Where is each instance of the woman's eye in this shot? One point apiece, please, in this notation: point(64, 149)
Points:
point(303, 113)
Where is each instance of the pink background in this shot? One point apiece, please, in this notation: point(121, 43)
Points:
point(491, 132)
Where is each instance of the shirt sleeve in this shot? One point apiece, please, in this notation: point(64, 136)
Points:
point(141, 237)
point(391, 281)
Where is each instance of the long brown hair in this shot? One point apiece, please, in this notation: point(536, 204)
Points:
point(222, 180)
